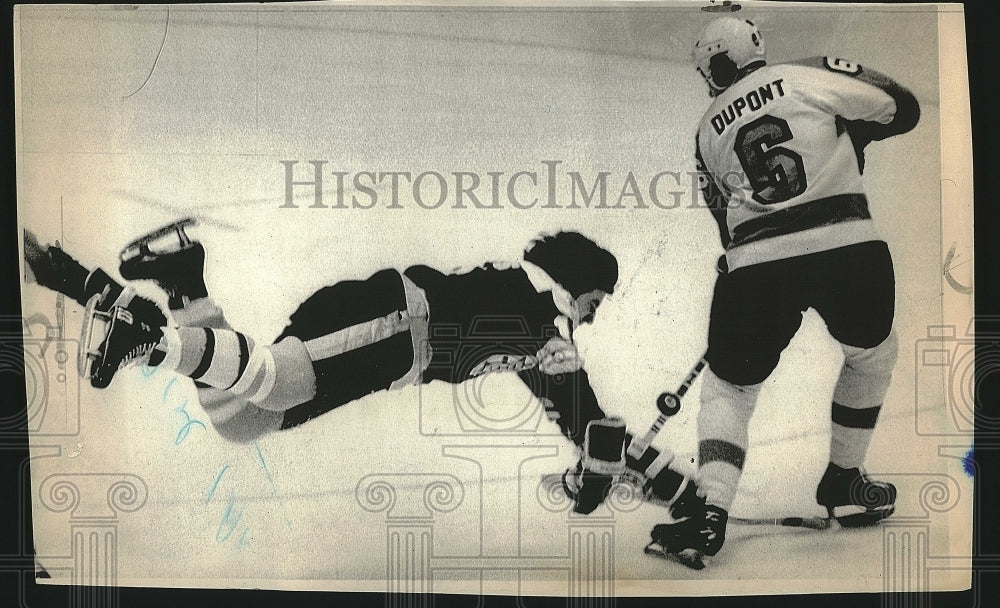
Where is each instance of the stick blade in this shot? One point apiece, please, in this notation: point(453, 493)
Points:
point(812, 523)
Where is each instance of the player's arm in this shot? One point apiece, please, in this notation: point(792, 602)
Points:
point(860, 95)
point(907, 108)
point(568, 398)
point(715, 198)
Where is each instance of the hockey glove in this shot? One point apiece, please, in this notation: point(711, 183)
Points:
point(600, 467)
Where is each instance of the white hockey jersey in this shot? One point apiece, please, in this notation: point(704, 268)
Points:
point(780, 168)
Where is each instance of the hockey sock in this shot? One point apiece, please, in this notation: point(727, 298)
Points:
point(216, 357)
point(723, 437)
point(274, 377)
point(857, 400)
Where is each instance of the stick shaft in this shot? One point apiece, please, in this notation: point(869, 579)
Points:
point(638, 447)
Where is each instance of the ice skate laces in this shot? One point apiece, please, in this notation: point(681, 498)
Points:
point(140, 352)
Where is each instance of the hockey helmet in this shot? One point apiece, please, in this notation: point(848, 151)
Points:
point(726, 46)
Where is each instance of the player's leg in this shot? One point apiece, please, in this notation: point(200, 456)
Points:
point(755, 312)
point(274, 377)
point(172, 259)
point(175, 262)
point(857, 303)
point(338, 347)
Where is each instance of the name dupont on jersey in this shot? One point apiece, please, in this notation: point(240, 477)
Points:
point(753, 101)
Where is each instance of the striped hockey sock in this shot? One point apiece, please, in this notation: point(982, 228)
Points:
point(857, 400)
point(220, 358)
point(723, 423)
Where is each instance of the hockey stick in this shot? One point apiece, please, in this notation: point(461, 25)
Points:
point(668, 404)
point(811, 523)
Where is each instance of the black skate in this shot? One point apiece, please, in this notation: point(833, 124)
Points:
point(689, 541)
point(853, 499)
point(113, 339)
point(170, 258)
point(57, 270)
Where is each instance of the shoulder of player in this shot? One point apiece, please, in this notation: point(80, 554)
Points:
point(819, 66)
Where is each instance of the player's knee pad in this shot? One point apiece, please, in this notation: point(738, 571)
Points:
point(866, 373)
point(278, 376)
point(879, 359)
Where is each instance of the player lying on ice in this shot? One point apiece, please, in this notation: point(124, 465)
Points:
point(353, 338)
point(781, 148)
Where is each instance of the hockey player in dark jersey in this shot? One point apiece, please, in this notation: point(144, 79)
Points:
point(353, 338)
point(781, 150)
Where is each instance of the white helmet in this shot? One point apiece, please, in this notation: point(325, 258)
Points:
point(726, 46)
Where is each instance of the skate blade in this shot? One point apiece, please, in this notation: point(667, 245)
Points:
point(692, 558)
point(96, 324)
point(866, 518)
point(165, 239)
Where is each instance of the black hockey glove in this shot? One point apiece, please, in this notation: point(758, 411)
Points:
point(600, 467)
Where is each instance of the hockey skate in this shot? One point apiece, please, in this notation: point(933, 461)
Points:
point(853, 499)
point(113, 338)
point(57, 270)
point(169, 257)
point(690, 540)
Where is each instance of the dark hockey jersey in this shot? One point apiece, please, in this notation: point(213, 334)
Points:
point(491, 315)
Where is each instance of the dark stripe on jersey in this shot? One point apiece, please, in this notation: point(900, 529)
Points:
point(864, 418)
point(244, 358)
point(206, 357)
point(717, 450)
point(814, 214)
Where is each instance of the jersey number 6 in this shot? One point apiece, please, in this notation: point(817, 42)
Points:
point(775, 172)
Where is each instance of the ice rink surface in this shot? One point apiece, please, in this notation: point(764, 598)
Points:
point(107, 154)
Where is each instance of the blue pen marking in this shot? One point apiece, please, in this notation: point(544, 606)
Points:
point(188, 424)
point(969, 463)
point(274, 488)
point(215, 484)
point(147, 370)
point(229, 521)
point(243, 539)
point(260, 456)
point(166, 389)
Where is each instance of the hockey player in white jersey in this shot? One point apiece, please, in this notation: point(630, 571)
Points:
point(781, 151)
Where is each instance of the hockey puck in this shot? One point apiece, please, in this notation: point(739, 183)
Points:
point(668, 404)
